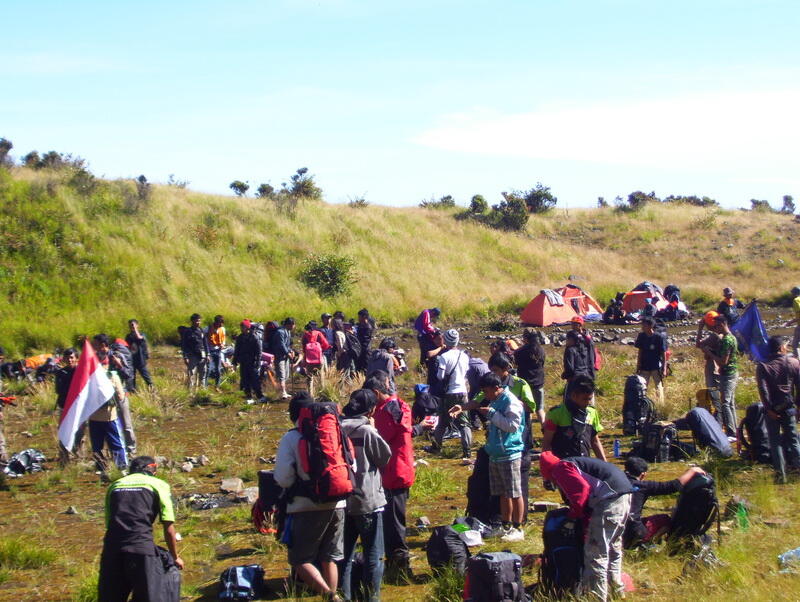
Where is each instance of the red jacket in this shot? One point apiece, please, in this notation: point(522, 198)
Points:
point(316, 335)
point(393, 422)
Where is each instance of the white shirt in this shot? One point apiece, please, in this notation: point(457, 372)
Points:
point(452, 370)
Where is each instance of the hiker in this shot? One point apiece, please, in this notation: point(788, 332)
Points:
point(649, 310)
point(795, 321)
point(709, 343)
point(281, 348)
point(112, 362)
point(729, 306)
point(599, 494)
point(424, 325)
point(437, 348)
point(451, 371)
point(194, 349)
point(614, 313)
point(651, 360)
point(383, 359)
point(315, 530)
point(63, 379)
point(217, 337)
point(530, 366)
point(105, 427)
point(344, 358)
point(247, 355)
point(779, 388)
point(364, 518)
point(313, 345)
point(505, 416)
point(140, 352)
point(131, 563)
point(572, 428)
point(327, 330)
point(726, 360)
point(393, 422)
point(477, 368)
point(642, 530)
point(577, 361)
point(364, 331)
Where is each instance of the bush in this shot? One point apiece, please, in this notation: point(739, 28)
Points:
point(691, 200)
point(538, 199)
point(175, 183)
point(478, 205)
point(761, 206)
point(358, 202)
point(5, 149)
point(445, 202)
point(510, 214)
point(788, 204)
point(265, 191)
point(239, 188)
point(328, 274)
point(303, 186)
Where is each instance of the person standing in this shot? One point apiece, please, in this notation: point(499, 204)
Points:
point(726, 360)
point(131, 563)
point(344, 358)
point(779, 388)
point(530, 366)
point(383, 359)
point(576, 360)
point(281, 342)
point(63, 379)
point(425, 327)
point(451, 372)
point(795, 321)
point(194, 348)
point(709, 343)
point(247, 355)
point(112, 362)
point(364, 518)
point(327, 331)
point(140, 353)
point(573, 428)
point(365, 330)
point(729, 306)
point(105, 428)
point(216, 343)
point(651, 361)
point(313, 346)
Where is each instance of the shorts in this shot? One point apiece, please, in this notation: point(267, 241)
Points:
point(505, 478)
point(317, 536)
point(282, 368)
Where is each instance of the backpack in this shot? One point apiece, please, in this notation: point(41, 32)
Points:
point(494, 577)
point(425, 404)
point(170, 578)
point(269, 510)
point(446, 548)
point(638, 410)
point(312, 351)
point(706, 430)
point(752, 434)
point(352, 344)
point(486, 508)
point(657, 441)
point(124, 354)
point(242, 582)
point(326, 454)
point(696, 510)
point(562, 559)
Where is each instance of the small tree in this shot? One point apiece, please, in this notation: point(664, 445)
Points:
point(478, 205)
point(239, 188)
point(788, 204)
point(760, 205)
point(601, 202)
point(143, 189)
point(445, 202)
point(303, 186)
point(51, 160)
point(32, 160)
point(265, 191)
point(5, 149)
point(638, 199)
point(328, 274)
point(512, 214)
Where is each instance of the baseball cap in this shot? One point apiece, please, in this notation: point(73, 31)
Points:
point(710, 318)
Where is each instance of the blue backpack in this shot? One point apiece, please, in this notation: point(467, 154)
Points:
point(242, 582)
point(562, 560)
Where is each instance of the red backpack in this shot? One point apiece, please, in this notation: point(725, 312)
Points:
point(312, 350)
point(326, 454)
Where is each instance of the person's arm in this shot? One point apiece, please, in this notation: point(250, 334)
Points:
point(763, 389)
point(656, 488)
point(441, 367)
point(698, 342)
point(427, 324)
point(548, 432)
point(597, 447)
point(662, 358)
point(377, 450)
point(689, 474)
point(721, 360)
point(639, 360)
point(507, 421)
point(171, 539)
point(527, 397)
point(574, 487)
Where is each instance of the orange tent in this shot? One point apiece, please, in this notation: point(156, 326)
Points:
point(541, 311)
point(635, 300)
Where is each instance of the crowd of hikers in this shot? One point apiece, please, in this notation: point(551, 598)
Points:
point(344, 475)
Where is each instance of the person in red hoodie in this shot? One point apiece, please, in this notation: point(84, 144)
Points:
point(393, 422)
point(599, 494)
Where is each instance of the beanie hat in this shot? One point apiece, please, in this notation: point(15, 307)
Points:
point(361, 402)
point(451, 337)
point(547, 462)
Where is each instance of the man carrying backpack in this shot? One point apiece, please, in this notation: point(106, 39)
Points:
point(599, 494)
point(313, 345)
point(131, 563)
point(452, 373)
point(247, 355)
point(729, 307)
point(194, 349)
point(365, 506)
point(115, 364)
point(315, 530)
point(281, 347)
point(572, 428)
point(393, 422)
point(795, 321)
point(651, 361)
point(140, 353)
point(62, 381)
point(424, 325)
point(779, 388)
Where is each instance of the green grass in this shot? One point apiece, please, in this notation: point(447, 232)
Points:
point(18, 553)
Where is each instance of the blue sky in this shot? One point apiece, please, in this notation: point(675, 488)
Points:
point(406, 100)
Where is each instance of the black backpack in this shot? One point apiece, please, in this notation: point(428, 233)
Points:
point(352, 344)
point(446, 548)
point(170, 577)
point(124, 354)
point(696, 510)
point(562, 559)
point(269, 510)
point(494, 577)
point(658, 441)
point(753, 434)
point(481, 505)
point(638, 410)
point(242, 582)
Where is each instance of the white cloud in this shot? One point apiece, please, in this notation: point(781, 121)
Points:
point(734, 131)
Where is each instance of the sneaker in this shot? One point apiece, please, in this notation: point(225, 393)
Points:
point(285, 396)
point(431, 449)
point(467, 461)
point(514, 534)
point(249, 401)
point(497, 531)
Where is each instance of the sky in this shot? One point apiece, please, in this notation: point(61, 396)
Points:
point(404, 101)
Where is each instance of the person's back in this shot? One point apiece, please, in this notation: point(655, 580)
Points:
point(452, 371)
point(572, 429)
point(380, 359)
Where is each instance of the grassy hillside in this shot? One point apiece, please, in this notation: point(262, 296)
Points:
point(78, 257)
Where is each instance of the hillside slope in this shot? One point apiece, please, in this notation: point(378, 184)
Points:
point(76, 262)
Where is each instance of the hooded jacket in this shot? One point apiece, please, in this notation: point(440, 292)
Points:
point(393, 423)
point(506, 424)
point(372, 454)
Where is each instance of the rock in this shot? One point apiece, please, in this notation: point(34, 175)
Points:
point(263, 460)
point(608, 338)
point(545, 339)
point(191, 459)
point(161, 460)
point(543, 506)
point(627, 341)
point(71, 510)
point(241, 414)
point(187, 467)
point(248, 496)
point(421, 462)
point(231, 485)
point(26, 434)
point(203, 460)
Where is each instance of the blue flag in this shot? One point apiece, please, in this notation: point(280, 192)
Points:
point(750, 332)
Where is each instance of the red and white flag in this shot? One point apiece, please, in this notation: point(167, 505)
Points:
point(89, 390)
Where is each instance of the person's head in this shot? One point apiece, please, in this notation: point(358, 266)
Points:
point(338, 315)
point(289, 323)
point(583, 388)
point(636, 467)
point(218, 321)
point(245, 326)
point(388, 344)
point(378, 383)
point(438, 338)
point(435, 312)
point(491, 386)
point(721, 324)
point(796, 291)
point(143, 465)
point(194, 319)
point(648, 325)
point(573, 338)
point(362, 403)
point(133, 324)
point(326, 319)
point(338, 324)
point(577, 323)
point(69, 357)
point(500, 364)
point(311, 326)
point(777, 344)
point(727, 292)
point(363, 315)
point(451, 338)
point(101, 343)
point(298, 402)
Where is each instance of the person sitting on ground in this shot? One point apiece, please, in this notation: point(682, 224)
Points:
point(649, 310)
point(729, 306)
point(452, 372)
point(383, 359)
point(364, 518)
point(194, 348)
point(140, 353)
point(63, 379)
point(424, 325)
point(505, 418)
point(112, 362)
point(599, 494)
point(217, 337)
point(365, 330)
point(795, 321)
point(247, 355)
point(393, 422)
point(614, 313)
point(572, 428)
point(642, 530)
point(530, 366)
point(315, 531)
point(651, 360)
point(779, 388)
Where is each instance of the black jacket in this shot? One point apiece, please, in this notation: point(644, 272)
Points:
point(193, 342)
point(63, 379)
point(247, 350)
point(635, 530)
point(529, 369)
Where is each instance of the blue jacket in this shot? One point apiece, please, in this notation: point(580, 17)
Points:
point(506, 423)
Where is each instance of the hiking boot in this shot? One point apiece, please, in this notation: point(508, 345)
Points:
point(514, 534)
point(431, 449)
point(398, 571)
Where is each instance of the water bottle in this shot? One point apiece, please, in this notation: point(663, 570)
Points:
point(616, 448)
point(741, 517)
point(789, 561)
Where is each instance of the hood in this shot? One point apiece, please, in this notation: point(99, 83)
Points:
point(547, 462)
